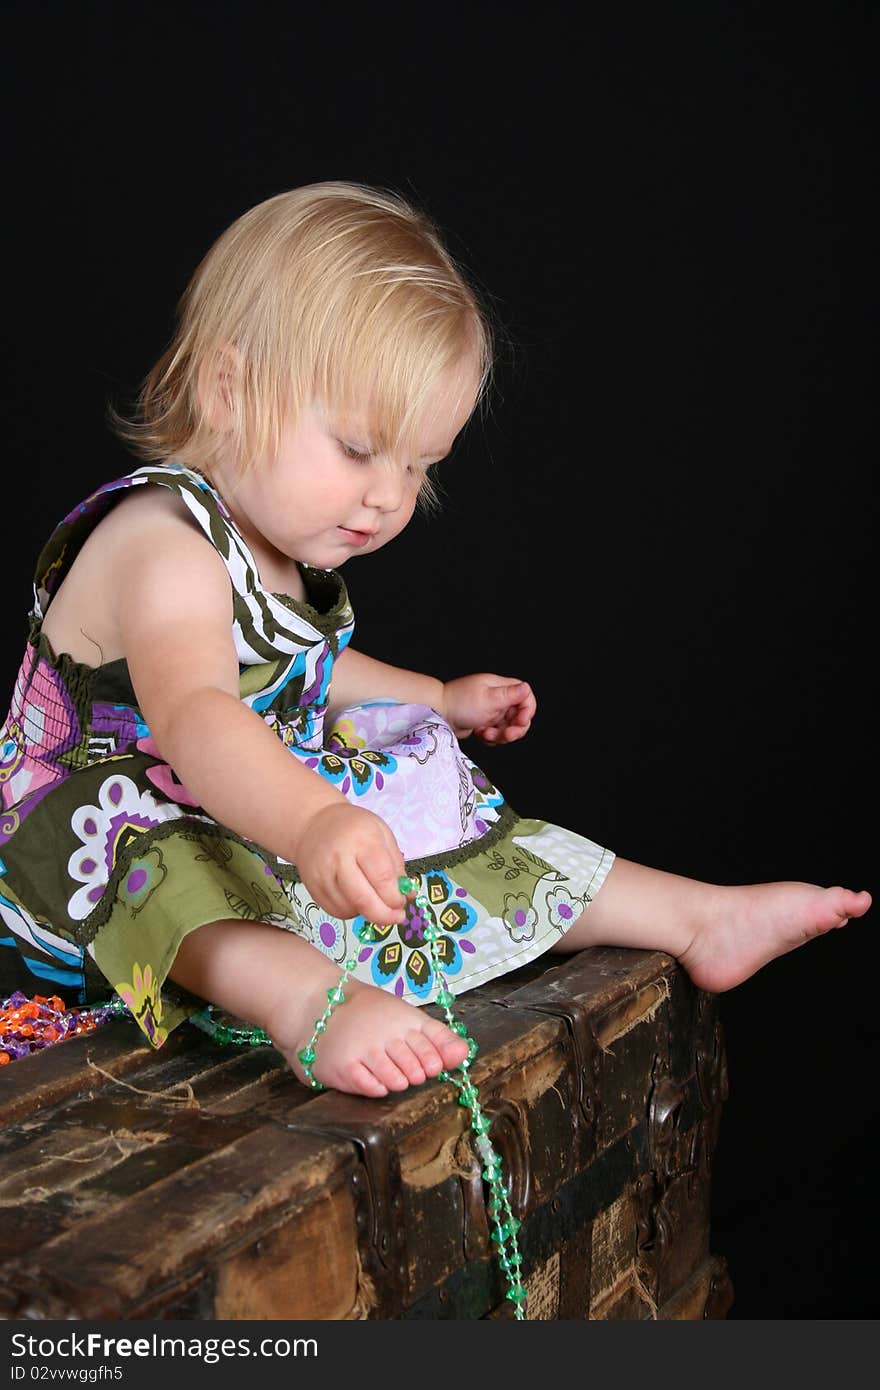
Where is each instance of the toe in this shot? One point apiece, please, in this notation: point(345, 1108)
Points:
point(846, 904)
point(386, 1070)
point(402, 1054)
point(452, 1048)
point(430, 1058)
point(365, 1083)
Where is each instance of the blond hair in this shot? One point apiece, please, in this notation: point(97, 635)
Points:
point(333, 291)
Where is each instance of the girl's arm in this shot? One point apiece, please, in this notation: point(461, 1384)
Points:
point(174, 613)
point(498, 709)
point(357, 678)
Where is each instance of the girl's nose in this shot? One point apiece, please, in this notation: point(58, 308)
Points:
point(385, 488)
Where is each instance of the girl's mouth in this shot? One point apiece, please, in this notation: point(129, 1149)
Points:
point(356, 537)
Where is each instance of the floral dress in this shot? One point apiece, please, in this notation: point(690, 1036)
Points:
point(107, 861)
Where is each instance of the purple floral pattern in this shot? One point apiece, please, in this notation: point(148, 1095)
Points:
point(399, 955)
point(122, 814)
point(350, 764)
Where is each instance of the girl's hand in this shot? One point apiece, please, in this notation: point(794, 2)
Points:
point(498, 709)
point(350, 862)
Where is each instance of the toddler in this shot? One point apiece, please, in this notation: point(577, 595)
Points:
point(208, 792)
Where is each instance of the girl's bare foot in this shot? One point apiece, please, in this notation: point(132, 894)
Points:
point(752, 924)
point(374, 1043)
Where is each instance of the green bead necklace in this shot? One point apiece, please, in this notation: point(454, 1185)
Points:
point(503, 1222)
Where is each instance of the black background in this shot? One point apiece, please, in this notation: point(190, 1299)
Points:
point(665, 521)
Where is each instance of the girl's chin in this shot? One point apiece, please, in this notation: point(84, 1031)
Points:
point(331, 557)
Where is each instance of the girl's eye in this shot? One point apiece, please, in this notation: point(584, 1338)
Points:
point(356, 454)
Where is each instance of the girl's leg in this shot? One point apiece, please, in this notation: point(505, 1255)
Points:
point(720, 934)
point(374, 1043)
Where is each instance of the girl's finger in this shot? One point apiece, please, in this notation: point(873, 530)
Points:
point(513, 732)
point(366, 898)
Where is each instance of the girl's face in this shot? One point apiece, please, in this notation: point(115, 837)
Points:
point(325, 495)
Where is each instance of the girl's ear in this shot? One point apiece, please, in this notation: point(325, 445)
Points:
point(216, 386)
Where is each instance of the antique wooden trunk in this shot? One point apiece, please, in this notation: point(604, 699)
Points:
point(203, 1182)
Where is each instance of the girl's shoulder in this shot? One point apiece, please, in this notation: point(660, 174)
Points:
point(144, 506)
point(81, 617)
